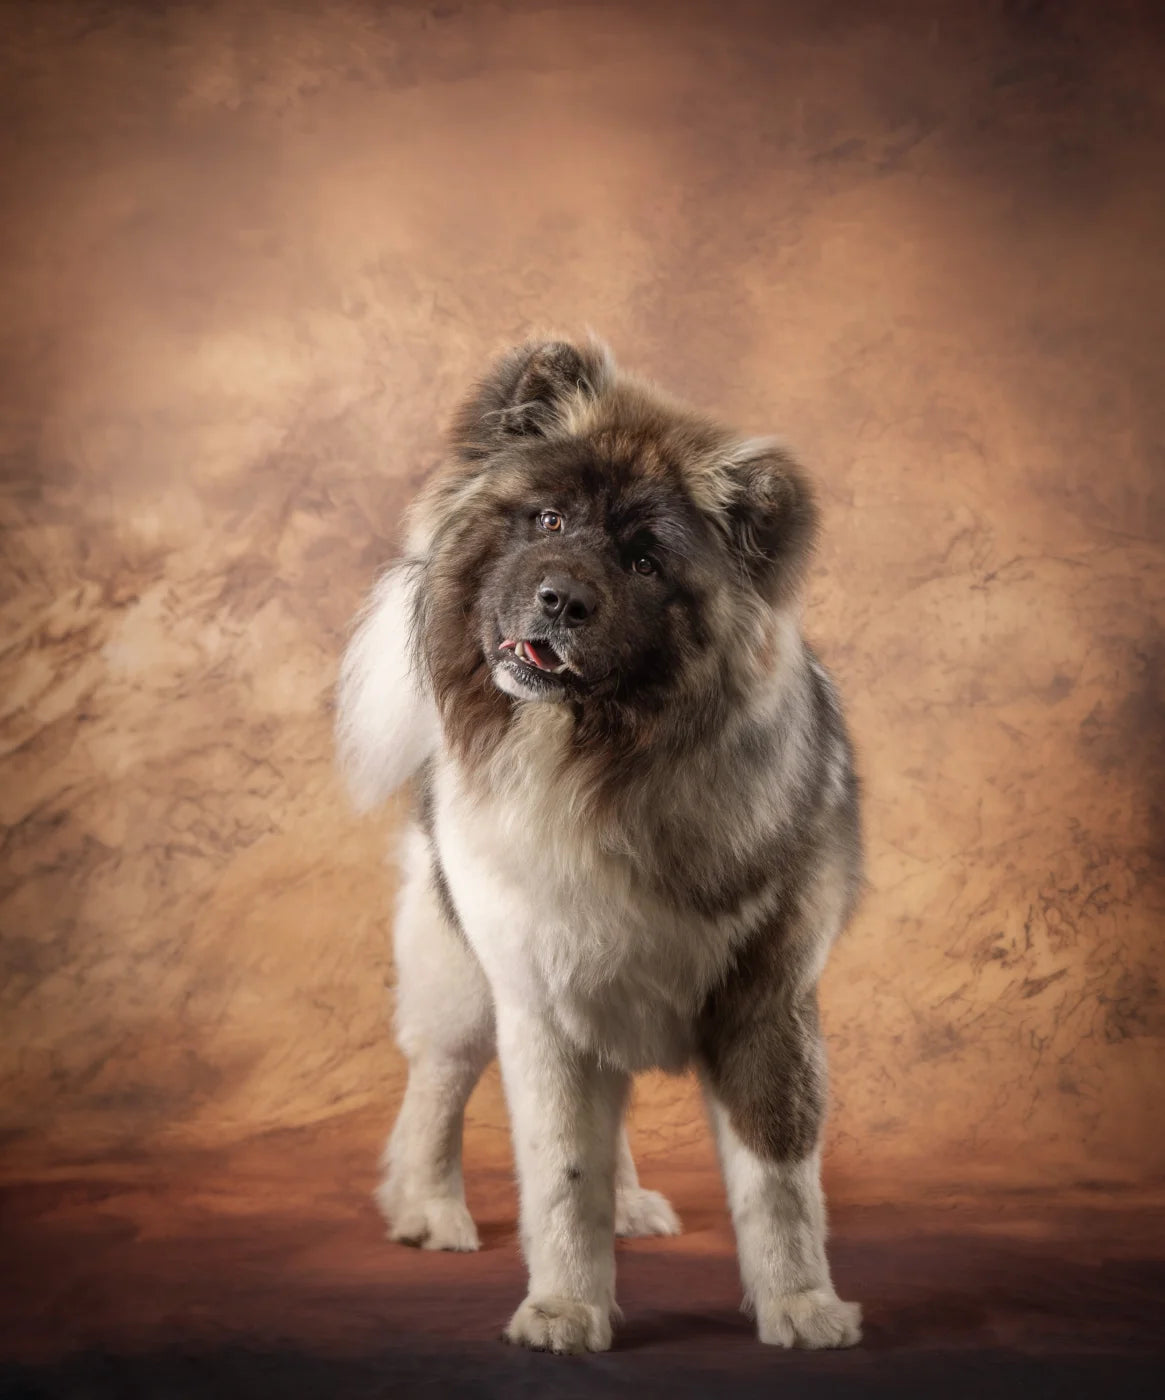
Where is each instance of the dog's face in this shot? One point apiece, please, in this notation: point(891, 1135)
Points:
point(593, 543)
point(598, 585)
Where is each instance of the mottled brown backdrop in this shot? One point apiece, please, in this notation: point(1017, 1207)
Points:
point(252, 252)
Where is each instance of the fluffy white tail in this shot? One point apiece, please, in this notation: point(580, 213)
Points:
point(386, 722)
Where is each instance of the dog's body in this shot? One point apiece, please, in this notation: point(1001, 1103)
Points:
point(637, 833)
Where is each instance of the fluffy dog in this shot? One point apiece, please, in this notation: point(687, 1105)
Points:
point(637, 827)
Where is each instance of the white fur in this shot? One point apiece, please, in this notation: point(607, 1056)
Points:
point(778, 1211)
point(445, 1027)
point(386, 724)
point(565, 1111)
point(560, 924)
point(637, 1210)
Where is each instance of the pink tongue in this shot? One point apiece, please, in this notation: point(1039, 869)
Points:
point(539, 658)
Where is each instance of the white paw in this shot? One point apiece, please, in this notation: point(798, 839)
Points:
point(816, 1318)
point(562, 1325)
point(431, 1222)
point(639, 1213)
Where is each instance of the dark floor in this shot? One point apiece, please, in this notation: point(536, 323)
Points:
point(210, 1276)
point(403, 1371)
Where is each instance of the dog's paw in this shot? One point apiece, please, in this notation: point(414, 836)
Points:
point(433, 1222)
point(639, 1213)
point(816, 1318)
point(562, 1325)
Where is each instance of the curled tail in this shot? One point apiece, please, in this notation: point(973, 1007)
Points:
point(386, 722)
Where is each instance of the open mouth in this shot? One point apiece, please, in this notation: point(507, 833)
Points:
point(538, 655)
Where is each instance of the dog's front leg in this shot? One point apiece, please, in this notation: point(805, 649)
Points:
point(778, 1211)
point(764, 1080)
point(565, 1110)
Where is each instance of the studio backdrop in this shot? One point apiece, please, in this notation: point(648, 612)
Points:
point(253, 254)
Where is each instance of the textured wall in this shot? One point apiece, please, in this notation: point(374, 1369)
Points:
point(252, 253)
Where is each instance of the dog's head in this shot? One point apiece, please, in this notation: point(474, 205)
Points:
point(592, 542)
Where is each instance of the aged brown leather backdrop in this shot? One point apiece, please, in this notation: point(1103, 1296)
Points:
point(251, 255)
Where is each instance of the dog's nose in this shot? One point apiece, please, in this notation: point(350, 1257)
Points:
point(566, 600)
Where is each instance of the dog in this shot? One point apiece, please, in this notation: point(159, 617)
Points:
point(636, 832)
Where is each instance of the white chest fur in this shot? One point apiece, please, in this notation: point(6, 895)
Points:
point(562, 924)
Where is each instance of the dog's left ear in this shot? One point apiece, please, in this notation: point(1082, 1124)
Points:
point(772, 517)
point(529, 392)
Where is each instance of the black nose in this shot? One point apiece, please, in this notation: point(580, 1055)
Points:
point(566, 600)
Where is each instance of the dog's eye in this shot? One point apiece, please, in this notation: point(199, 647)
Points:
point(645, 564)
point(551, 520)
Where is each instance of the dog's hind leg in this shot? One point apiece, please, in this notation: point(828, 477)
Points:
point(639, 1212)
point(445, 1026)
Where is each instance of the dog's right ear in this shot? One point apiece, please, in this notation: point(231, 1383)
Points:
point(530, 391)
